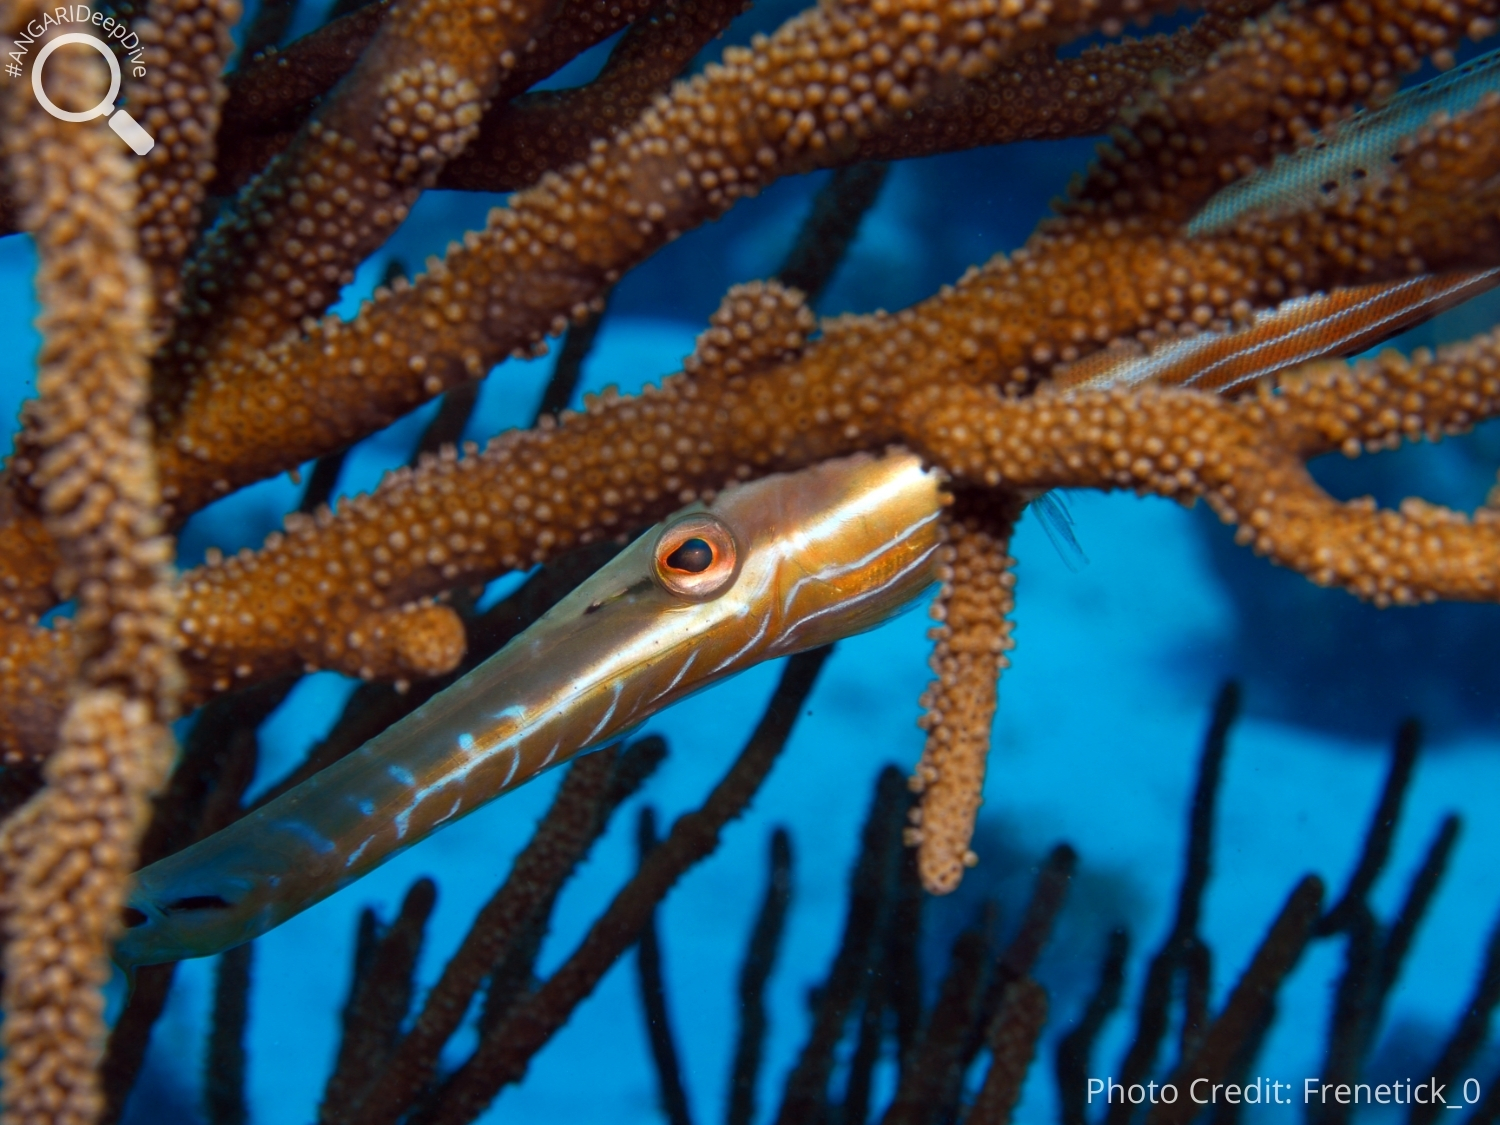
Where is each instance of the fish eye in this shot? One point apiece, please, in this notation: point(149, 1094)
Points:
point(696, 557)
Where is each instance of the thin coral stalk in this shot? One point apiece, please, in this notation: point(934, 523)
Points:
point(593, 789)
point(870, 893)
point(755, 971)
point(670, 1092)
point(503, 1054)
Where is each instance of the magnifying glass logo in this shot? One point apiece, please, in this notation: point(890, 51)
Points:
point(127, 128)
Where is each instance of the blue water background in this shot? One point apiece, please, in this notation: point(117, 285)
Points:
point(1095, 742)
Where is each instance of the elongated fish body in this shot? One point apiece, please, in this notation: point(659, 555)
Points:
point(769, 568)
point(1319, 325)
point(1363, 146)
point(1336, 323)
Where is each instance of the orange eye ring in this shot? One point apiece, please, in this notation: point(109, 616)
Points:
point(695, 557)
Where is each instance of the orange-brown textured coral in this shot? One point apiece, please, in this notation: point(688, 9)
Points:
point(187, 44)
point(549, 130)
point(1037, 94)
point(1437, 212)
point(248, 384)
point(95, 475)
point(755, 326)
point(1081, 283)
point(412, 102)
point(555, 249)
point(37, 666)
point(1033, 96)
point(66, 855)
point(1244, 459)
point(334, 620)
point(28, 558)
point(629, 461)
point(1077, 286)
point(69, 854)
point(764, 112)
point(274, 93)
point(626, 463)
point(973, 637)
point(1293, 72)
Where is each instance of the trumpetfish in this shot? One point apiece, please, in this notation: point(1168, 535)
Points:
point(772, 567)
point(769, 568)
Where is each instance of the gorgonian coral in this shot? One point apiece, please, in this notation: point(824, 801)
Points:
point(180, 366)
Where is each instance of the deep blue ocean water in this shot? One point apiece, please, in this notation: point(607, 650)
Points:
point(1095, 742)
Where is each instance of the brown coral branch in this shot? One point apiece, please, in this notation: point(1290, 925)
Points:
point(933, 1078)
point(627, 461)
point(1167, 443)
point(272, 20)
point(411, 103)
point(270, 96)
point(1220, 283)
point(549, 130)
point(1249, 1001)
point(830, 227)
point(1351, 1024)
point(224, 1061)
point(870, 891)
point(973, 608)
point(503, 1054)
point(903, 967)
point(1018, 959)
point(68, 852)
point(671, 1096)
point(973, 997)
point(1007, 318)
point(869, 1041)
point(577, 343)
point(1075, 1050)
point(178, 101)
point(28, 557)
point(379, 999)
point(1012, 1038)
point(1153, 1010)
point(1037, 95)
point(1048, 895)
point(553, 251)
point(755, 971)
point(1196, 971)
point(37, 666)
point(1294, 71)
point(598, 233)
point(1382, 831)
point(130, 1038)
point(1214, 285)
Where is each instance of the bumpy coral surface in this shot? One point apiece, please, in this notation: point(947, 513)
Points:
point(181, 365)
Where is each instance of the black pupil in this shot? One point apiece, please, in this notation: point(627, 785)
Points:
point(694, 556)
